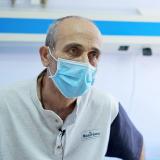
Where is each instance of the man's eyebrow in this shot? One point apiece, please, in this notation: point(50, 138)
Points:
point(73, 45)
point(96, 49)
point(68, 46)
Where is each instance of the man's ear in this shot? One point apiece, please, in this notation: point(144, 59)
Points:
point(43, 51)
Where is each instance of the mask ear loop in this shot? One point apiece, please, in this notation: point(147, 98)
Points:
point(49, 51)
point(51, 54)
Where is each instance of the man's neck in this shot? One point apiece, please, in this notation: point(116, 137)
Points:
point(53, 100)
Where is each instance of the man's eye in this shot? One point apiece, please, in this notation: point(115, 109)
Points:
point(93, 54)
point(74, 51)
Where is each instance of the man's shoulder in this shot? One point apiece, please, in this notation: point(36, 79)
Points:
point(10, 93)
point(102, 96)
point(104, 100)
point(16, 87)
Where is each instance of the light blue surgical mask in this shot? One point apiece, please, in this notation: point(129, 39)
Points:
point(72, 78)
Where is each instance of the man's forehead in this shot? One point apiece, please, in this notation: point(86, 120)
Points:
point(79, 36)
point(85, 40)
point(77, 27)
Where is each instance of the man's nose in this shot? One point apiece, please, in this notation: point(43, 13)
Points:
point(85, 58)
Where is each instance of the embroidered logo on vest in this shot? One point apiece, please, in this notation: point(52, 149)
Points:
point(90, 134)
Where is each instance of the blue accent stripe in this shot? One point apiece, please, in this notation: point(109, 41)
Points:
point(24, 25)
point(40, 26)
point(129, 28)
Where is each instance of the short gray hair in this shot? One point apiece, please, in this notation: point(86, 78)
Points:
point(51, 35)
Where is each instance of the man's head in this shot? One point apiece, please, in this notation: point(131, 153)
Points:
point(75, 38)
point(71, 53)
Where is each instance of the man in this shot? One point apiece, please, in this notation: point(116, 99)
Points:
point(59, 115)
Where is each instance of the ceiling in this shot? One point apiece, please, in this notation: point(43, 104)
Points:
point(112, 6)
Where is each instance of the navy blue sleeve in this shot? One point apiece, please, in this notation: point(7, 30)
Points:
point(125, 140)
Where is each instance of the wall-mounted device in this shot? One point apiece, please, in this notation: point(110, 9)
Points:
point(147, 51)
point(123, 48)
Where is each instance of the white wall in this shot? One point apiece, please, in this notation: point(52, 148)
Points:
point(132, 78)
